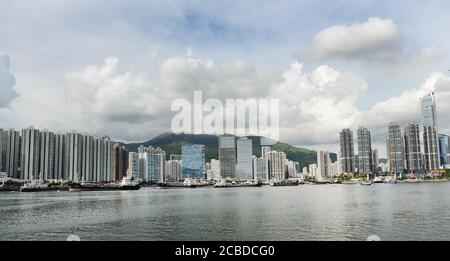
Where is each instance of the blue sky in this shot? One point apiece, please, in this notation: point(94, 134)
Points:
point(46, 40)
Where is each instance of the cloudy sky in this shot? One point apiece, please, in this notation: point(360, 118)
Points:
point(114, 67)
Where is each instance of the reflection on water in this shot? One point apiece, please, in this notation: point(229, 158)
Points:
point(330, 212)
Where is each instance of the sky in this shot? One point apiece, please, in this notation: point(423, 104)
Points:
point(114, 67)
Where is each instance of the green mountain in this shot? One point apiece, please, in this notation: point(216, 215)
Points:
point(171, 143)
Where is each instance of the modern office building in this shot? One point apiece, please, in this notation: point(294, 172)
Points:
point(193, 160)
point(13, 154)
point(276, 165)
point(413, 154)
point(364, 151)
point(244, 159)
point(30, 149)
point(227, 156)
point(395, 150)
point(428, 109)
point(347, 151)
point(260, 168)
point(47, 155)
point(431, 149)
point(444, 149)
point(430, 125)
point(323, 165)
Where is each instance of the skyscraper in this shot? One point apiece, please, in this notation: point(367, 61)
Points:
point(154, 164)
point(428, 109)
point(347, 151)
point(134, 166)
point(323, 165)
point(59, 156)
point(444, 149)
point(395, 150)
point(430, 145)
point(413, 154)
point(244, 159)
point(102, 159)
point(47, 155)
point(29, 160)
point(193, 161)
point(364, 151)
point(375, 160)
point(119, 162)
point(227, 156)
point(73, 162)
point(13, 154)
point(430, 124)
point(276, 165)
point(87, 158)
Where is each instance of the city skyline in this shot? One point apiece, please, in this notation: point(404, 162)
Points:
point(324, 86)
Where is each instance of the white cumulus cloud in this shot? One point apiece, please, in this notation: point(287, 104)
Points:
point(377, 38)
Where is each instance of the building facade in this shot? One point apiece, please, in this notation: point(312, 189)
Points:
point(364, 151)
point(193, 161)
point(395, 150)
point(244, 159)
point(444, 149)
point(227, 156)
point(276, 165)
point(413, 154)
point(431, 149)
point(13, 154)
point(30, 149)
point(260, 168)
point(347, 151)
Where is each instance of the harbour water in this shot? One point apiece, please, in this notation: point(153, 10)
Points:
point(308, 212)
